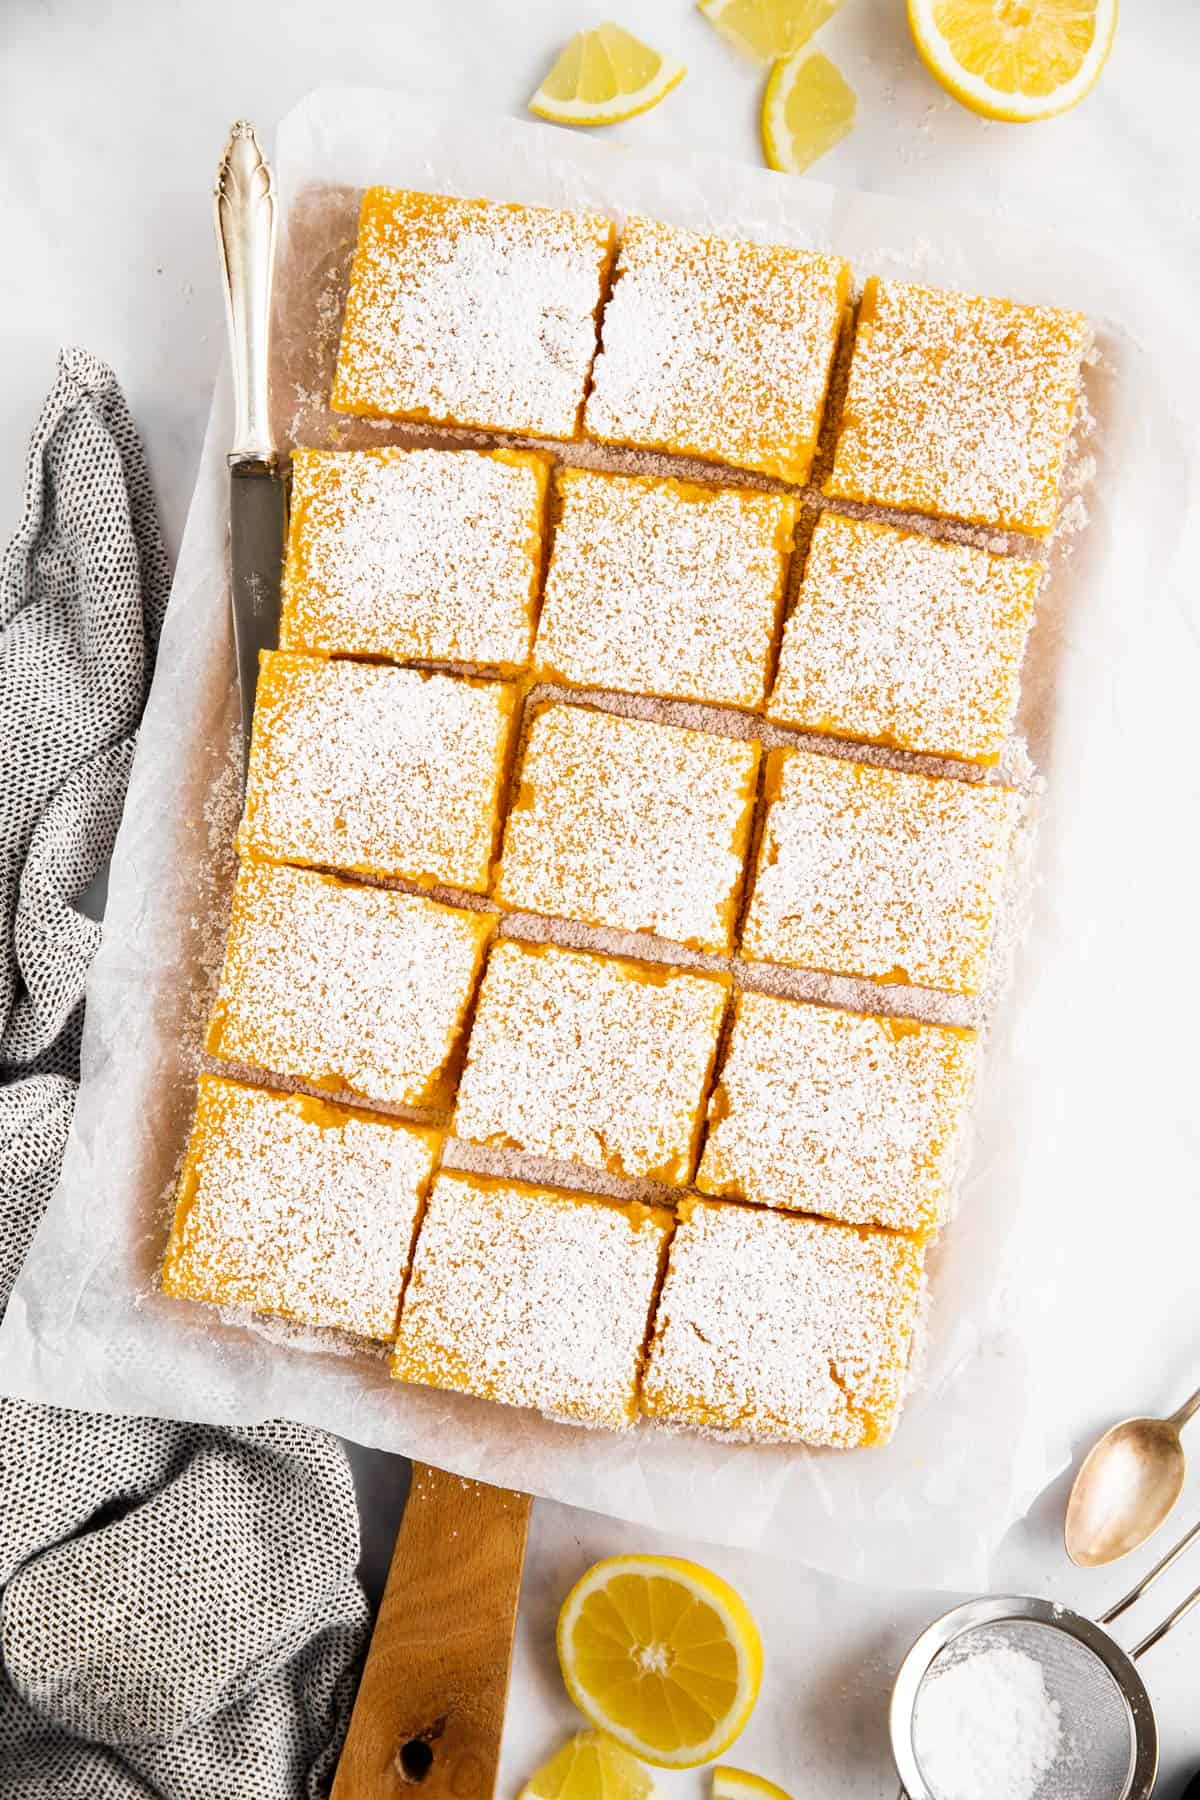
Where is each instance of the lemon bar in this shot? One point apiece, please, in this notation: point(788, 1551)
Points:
point(378, 771)
point(533, 1297)
point(866, 871)
point(839, 1113)
point(629, 823)
point(900, 640)
point(591, 1059)
point(430, 555)
point(959, 405)
point(467, 313)
point(349, 987)
point(717, 348)
point(664, 587)
point(295, 1207)
point(781, 1328)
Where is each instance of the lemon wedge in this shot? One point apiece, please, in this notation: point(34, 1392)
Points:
point(806, 110)
point(767, 29)
point(604, 76)
point(590, 1766)
point(663, 1655)
point(739, 1784)
point(1014, 59)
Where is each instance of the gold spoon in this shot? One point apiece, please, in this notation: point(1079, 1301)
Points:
point(1128, 1484)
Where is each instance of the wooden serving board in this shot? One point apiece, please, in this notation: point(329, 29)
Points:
point(430, 1706)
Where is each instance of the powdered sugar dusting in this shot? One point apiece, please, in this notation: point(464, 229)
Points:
point(632, 824)
point(718, 348)
point(663, 587)
point(532, 1297)
point(469, 313)
point(590, 1060)
point(414, 554)
point(350, 988)
point(831, 1112)
point(985, 1727)
point(958, 404)
point(904, 640)
point(866, 871)
point(292, 1207)
point(784, 1328)
point(380, 770)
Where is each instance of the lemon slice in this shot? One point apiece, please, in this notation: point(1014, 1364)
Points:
point(739, 1784)
point(591, 1766)
point(662, 1654)
point(604, 76)
point(806, 110)
point(766, 29)
point(1014, 59)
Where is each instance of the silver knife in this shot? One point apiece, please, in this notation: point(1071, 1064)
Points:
point(244, 208)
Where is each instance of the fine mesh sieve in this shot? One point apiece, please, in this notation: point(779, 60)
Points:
point(1108, 1741)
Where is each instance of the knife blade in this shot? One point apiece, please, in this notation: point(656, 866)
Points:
point(245, 215)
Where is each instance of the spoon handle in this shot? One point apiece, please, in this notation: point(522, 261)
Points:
point(1187, 1411)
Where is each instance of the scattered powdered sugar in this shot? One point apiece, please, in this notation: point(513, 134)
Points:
point(414, 554)
point(663, 587)
point(532, 1297)
point(718, 348)
point(346, 987)
point(292, 1207)
point(627, 823)
point(899, 638)
point(868, 871)
point(985, 1727)
point(472, 313)
point(590, 1060)
point(381, 770)
point(830, 1112)
point(958, 404)
point(782, 1328)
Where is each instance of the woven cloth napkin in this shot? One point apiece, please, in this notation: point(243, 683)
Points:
point(179, 1611)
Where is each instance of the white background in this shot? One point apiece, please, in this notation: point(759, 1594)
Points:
point(111, 120)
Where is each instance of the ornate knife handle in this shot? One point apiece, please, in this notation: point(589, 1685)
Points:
point(244, 210)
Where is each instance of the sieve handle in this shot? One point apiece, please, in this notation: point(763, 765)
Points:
point(1160, 1568)
point(1172, 1619)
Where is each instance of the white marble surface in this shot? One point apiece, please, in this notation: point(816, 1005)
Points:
point(111, 118)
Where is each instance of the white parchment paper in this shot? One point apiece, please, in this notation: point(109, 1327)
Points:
point(1064, 1291)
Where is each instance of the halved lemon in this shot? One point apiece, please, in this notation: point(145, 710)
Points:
point(604, 76)
point(767, 29)
point(739, 1784)
point(662, 1654)
point(590, 1766)
point(1014, 59)
point(807, 109)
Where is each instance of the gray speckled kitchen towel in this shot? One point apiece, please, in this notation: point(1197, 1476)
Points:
point(179, 1611)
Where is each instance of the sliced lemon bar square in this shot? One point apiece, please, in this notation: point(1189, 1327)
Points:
point(900, 640)
point(782, 1328)
point(854, 1117)
point(591, 1059)
point(532, 1296)
point(664, 587)
point(298, 1208)
point(346, 987)
point(874, 872)
point(959, 405)
point(717, 348)
point(630, 823)
point(414, 555)
point(463, 312)
point(377, 771)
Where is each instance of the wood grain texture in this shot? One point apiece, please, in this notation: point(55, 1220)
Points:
point(430, 1707)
